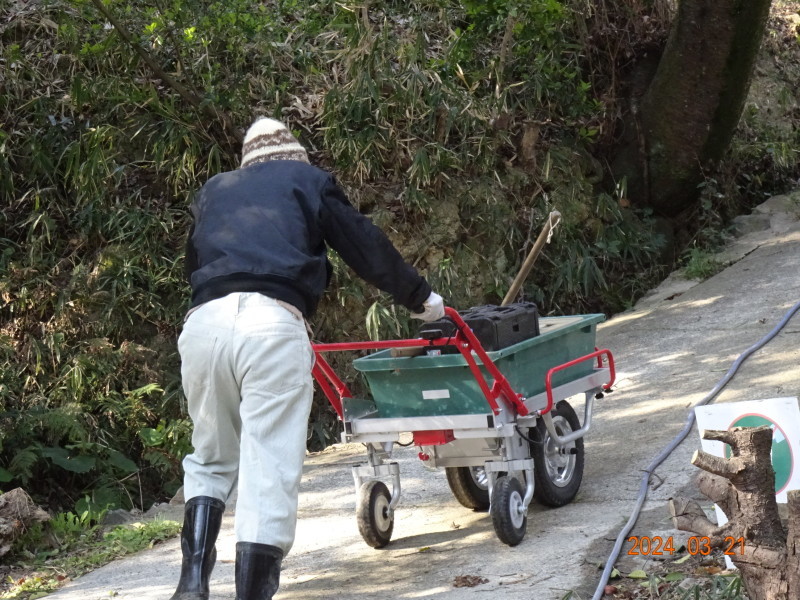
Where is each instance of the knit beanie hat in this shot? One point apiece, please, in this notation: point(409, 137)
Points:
point(268, 139)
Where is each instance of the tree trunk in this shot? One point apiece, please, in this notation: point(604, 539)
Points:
point(690, 110)
point(743, 486)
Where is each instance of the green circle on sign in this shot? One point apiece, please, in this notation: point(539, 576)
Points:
point(782, 460)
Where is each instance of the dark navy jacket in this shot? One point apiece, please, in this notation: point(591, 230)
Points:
point(265, 228)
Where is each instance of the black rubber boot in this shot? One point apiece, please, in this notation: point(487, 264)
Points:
point(201, 523)
point(258, 569)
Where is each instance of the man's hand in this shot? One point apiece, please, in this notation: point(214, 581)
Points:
point(432, 309)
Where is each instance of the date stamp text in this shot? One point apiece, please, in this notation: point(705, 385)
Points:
point(658, 546)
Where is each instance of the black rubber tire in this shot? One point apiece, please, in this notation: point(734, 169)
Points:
point(557, 476)
point(507, 496)
point(469, 492)
point(375, 523)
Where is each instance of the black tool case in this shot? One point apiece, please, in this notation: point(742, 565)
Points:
point(495, 327)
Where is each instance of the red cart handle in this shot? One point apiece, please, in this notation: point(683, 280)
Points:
point(464, 340)
point(501, 386)
point(598, 354)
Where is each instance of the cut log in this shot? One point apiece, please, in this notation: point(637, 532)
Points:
point(743, 486)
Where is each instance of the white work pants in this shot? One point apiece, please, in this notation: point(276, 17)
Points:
point(246, 370)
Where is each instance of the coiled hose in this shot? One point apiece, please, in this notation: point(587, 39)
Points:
point(623, 535)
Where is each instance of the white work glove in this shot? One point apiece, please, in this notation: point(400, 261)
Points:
point(433, 309)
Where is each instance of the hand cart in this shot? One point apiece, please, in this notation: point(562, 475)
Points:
point(498, 421)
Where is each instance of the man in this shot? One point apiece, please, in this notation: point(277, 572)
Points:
point(256, 258)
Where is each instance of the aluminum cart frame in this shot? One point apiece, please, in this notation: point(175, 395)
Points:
point(500, 457)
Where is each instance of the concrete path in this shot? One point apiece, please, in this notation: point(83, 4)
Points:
point(671, 350)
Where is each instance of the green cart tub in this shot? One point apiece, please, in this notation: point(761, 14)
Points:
point(444, 385)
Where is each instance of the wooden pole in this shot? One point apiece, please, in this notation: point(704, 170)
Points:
point(544, 237)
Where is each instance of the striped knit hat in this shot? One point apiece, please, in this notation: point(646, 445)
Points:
point(268, 139)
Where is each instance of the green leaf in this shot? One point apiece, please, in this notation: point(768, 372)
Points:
point(5, 475)
point(680, 561)
point(23, 461)
point(76, 464)
point(73, 464)
point(151, 437)
point(675, 577)
point(145, 390)
point(637, 574)
point(122, 462)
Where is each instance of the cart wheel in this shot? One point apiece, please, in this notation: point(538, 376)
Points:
point(375, 521)
point(470, 486)
point(509, 523)
point(557, 471)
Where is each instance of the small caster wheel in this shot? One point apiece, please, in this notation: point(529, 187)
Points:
point(509, 521)
point(375, 518)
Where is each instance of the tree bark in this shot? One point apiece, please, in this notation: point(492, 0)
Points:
point(691, 108)
point(743, 486)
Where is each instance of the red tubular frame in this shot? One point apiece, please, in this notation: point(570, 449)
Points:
point(598, 354)
point(464, 339)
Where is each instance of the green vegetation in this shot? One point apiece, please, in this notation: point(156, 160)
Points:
point(683, 579)
point(700, 264)
point(457, 126)
point(70, 545)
